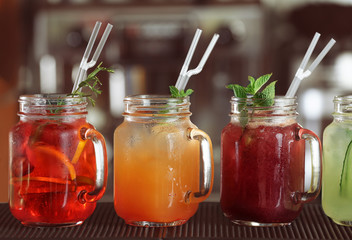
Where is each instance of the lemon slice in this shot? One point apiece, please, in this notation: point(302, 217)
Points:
point(83, 180)
point(50, 162)
point(79, 150)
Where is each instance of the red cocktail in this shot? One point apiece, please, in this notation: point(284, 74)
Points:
point(262, 168)
point(52, 168)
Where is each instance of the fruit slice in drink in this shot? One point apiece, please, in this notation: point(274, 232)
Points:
point(50, 162)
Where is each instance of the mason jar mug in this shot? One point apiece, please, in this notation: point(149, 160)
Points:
point(337, 179)
point(263, 163)
point(158, 156)
point(58, 162)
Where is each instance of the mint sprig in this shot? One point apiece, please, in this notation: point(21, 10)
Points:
point(175, 93)
point(92, 83)
point(262, 98)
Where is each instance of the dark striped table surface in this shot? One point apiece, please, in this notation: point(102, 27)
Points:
point(208, 223)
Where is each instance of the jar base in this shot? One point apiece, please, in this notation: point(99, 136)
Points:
point(155, 224)
point(258, 224)
point(343, 223)
point(56, 225)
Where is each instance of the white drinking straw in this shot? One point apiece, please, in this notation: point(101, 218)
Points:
point(309, 51)
point(298, 76)
point(189, 56)
point(184, 74)
point(86, 54)
point(85, 65)
point(301, 74)
point(321, 56)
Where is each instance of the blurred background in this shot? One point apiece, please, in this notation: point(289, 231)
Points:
point(43, 41)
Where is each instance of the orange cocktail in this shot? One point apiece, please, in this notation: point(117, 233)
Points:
point(157, 166)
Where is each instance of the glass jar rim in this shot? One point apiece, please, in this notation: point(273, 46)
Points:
point(277, 98)
point(342, 107)
point(343, 98)
point(155, 97)
point(279, 101)
point(156, 106)
point(281, 107)
point(52, 96)
point(51, 104)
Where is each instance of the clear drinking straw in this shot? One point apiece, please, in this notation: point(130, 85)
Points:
point(189, 56)
point(85, 65)
point(301, 74)
point(184, 74)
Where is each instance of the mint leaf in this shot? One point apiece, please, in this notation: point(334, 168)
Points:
point(260, 98)
point(175, 93)
point(244, 117)
point(260, 82)
point(266, 97)
point(93, 83)
point(269, 91)
point(251, 85)
point(251, 80)
point(189, 92)
point(238, 90)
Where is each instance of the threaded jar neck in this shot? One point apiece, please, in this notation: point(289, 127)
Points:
point(51, 105)
point(156, 107)
point(343, 107)
point(281, 108)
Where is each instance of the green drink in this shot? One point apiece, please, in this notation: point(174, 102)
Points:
point(337, 164)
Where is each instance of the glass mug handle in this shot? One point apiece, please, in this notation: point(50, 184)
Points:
point(206, 150)
point(316, 159)
point(101, 165)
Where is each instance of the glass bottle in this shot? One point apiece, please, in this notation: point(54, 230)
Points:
point(337, 178)
point(58, 162)
point(158, 156)
point(262, 163)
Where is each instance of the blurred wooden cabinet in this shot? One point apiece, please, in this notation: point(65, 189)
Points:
point(10, 58)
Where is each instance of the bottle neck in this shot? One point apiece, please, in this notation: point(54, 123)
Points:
point(281, 109)
point(51, 106)
point(156, 107)
point(343, 108)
